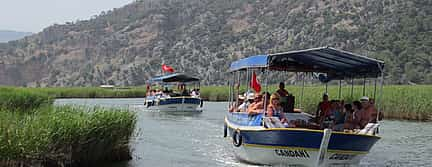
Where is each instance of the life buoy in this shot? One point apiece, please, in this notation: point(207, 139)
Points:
point(237, 138)
point(225, 130)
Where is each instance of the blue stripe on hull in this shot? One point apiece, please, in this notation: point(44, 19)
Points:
point(307, 139)
point(180, 101)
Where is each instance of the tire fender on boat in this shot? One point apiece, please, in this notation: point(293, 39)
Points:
point(225, 130)
point(237, 138)
point(201, 103)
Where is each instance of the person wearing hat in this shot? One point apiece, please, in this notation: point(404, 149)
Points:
point(363, 115)
point(237, 106)
point(256, 106)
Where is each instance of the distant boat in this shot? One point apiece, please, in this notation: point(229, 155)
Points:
point(264, 139)
point(166, 99)
point(107, 86)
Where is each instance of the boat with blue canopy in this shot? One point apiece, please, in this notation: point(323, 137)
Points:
point(299, 138)
point(167, 98)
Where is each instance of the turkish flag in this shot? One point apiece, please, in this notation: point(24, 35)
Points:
point(255, 84)
point(167, 68)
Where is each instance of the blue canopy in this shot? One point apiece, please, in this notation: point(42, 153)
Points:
point(176, 77)
point(336, 63)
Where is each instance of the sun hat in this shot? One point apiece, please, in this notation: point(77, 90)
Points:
point(250, 96)
point(241, 97)
point(364, 98)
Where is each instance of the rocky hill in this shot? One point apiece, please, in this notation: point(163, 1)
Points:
point(126, 46)
point(7, 35)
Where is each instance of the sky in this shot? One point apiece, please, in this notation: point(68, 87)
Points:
point(34, 15)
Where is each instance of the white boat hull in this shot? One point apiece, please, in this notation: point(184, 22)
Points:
point(268, 155)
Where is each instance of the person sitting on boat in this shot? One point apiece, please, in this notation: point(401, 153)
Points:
point(373, 112)
point(274, 109)
point(282, 92)
point(257, 106)
point(237, 106)
point(323, 109)
point(349, 117)
point(361, 116)
point(339, 117)
point(249, 100)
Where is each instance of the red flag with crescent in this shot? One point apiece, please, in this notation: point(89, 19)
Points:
point(167, 68)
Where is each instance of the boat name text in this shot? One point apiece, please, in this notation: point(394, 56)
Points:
point(292, 153)
point(342, 157)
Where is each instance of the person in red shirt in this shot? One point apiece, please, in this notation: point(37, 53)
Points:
point(323, 109)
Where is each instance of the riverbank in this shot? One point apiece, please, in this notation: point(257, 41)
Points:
point(398, 102)
point(33, 132)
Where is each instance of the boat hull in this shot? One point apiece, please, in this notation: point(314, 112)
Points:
point(176, 104)
point(294, 146)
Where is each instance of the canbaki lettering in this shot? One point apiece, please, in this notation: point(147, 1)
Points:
point(292, 153)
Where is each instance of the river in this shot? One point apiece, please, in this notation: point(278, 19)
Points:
point(164, 139)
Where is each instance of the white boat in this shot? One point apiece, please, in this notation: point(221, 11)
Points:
point(174, 102)
point(257, 140)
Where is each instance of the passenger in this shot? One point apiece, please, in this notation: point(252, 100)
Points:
point(281, 91)
point(274, 109)
point(185, 92)
point(362, 116)
point(372, 111)
point(349, 117)
point(339, 117)
point(236, 105)
point(323, 109)
point(249, 100)
point(257, 106)
point(283, 95)
point(329, 116)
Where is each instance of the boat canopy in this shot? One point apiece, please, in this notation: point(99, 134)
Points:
point(176, 77)
point(335, 63)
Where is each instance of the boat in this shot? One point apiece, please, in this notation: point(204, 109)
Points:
point(169, 100)
point(255, 140)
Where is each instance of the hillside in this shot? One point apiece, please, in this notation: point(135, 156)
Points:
point(127, 45)
point(7, 35)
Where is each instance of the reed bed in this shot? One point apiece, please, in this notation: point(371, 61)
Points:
point(22, 99)
point(44, 135)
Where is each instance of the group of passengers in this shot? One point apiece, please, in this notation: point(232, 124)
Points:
point(333, 114)
point(256, 103)
point(169, 92)
point(339, 116)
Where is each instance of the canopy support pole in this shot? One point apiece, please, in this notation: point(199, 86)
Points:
point(231, 91)
point(364, 86)
point(302, 90)
point(247, 80)
point(238, 85)
point(326, 88)
point(340, 89)
point(379, 103)
point(266, 91)
point(375, 88)
point(352, 87)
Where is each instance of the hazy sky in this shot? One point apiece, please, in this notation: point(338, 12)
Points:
point(34, 15)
